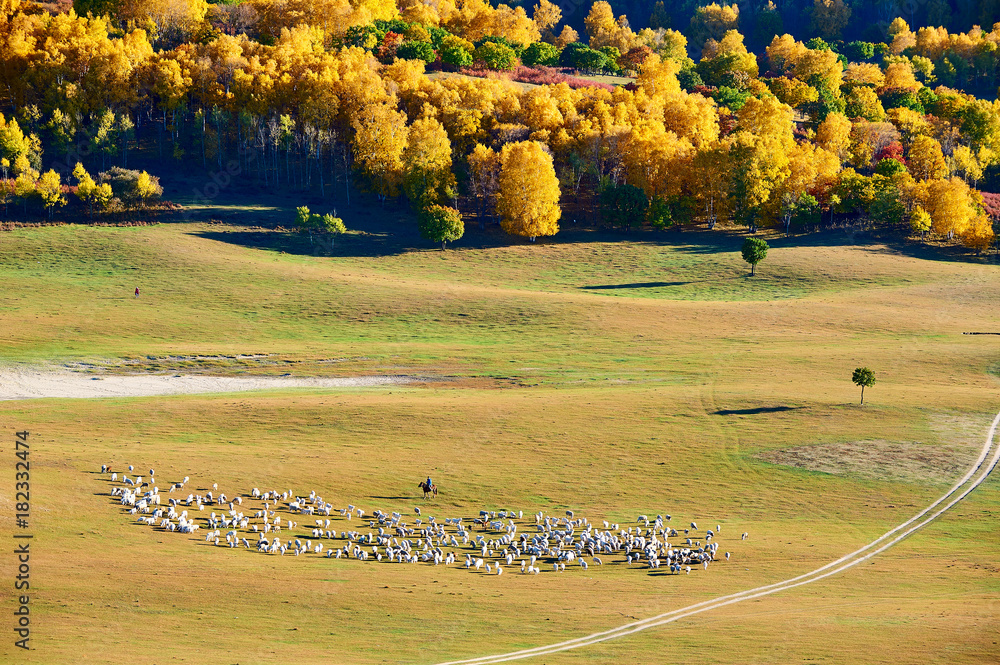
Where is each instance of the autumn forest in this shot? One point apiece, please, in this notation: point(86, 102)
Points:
point(791, 116)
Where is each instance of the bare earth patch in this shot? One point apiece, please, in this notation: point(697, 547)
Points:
point(35, 384)
point(878, 460)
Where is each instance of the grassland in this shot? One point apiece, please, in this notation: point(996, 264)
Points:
point(611, 376)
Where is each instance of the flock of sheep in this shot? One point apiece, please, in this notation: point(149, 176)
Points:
point(269, 522)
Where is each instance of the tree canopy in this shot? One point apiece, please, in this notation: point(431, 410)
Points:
point(865, 378)
point(754, 251)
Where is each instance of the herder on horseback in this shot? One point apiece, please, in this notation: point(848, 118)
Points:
point(428, 487)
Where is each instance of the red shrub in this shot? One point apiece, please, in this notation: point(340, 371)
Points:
point(892, 151)
point(991, 202)
point(538, 76)
point(386, 51)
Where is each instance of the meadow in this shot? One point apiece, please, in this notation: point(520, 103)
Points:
point(610, 375)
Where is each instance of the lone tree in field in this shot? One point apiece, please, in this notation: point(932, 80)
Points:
point(865, 378)
point(440, 224)
point(326, 227)
point(754, 251)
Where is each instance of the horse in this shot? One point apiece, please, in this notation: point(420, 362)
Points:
point(428, 489)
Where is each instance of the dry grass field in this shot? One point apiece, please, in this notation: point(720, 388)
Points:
point(613, 377)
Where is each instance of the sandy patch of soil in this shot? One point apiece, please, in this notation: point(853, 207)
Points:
point(16, 383)
point(878, 460)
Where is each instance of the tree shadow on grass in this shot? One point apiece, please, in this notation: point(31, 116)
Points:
point(756, 410)
point(376, 231)
point(637, 285)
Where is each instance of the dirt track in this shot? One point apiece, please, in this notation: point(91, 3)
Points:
point(984, 464)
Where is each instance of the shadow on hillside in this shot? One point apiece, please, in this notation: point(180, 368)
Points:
point(250, 215)
point(756, 410)
point(376, 232)
point(637, 285)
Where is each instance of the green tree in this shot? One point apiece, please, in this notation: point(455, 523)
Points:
point(865, 378)
point(540, 53)
point(802, 211)
point(659, 18)
point(415, 50)
point(582, 57)
point(326, 227)
point(754, 251)
point(611, 56)
point(664, 213)
point(496, 56)
point(624, 205)
point(456, 56)
point(441, 224)
point(859, 51)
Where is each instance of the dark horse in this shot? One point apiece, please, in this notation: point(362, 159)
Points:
point(428, 489)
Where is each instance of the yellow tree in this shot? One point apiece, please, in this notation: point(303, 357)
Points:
point(926, 159)
point(811, 170)
point(89, 192)
point(793, 92)
point(910, 123)
point(546, 16)
point(600, 23)
point(380, 137)
point(24, 184)
point(979, 235)
point(484, 178)
point(654, 158)
point(760, 150)
point(604, 30)
point(902, 37)
point(711, 181)
point(950, 205)
point(783, 52)
point(528, 200)
point(900, 75)
point(864, 73)
point(920, 220)
point(50, 189)
point(659, 77)
point(834, 134)
point(862, 102)
point(427, 160)
point(712, 21)
point(823, 65)
point(964, 161)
